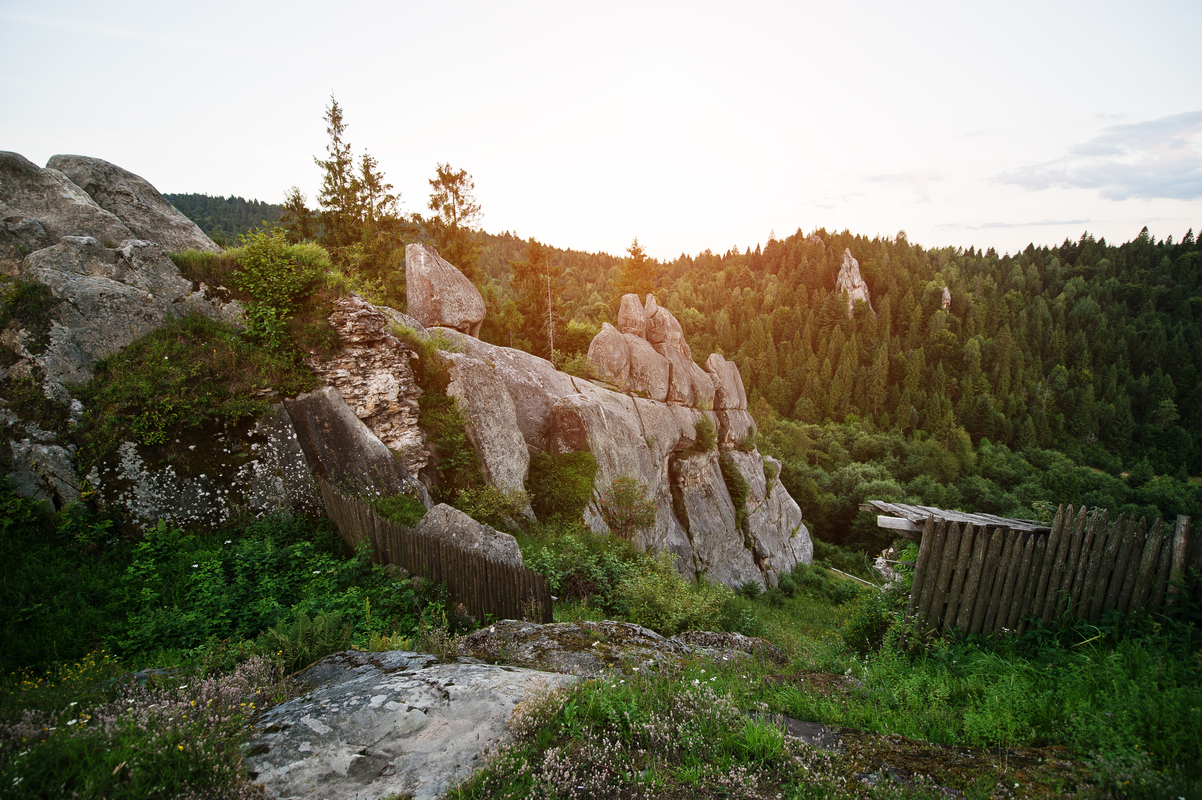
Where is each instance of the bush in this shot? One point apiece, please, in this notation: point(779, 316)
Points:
point(401, 509)
point(561, 485)
point(707, 437)
point(487, 504)
point(305, 640)
point(655, 596)
point(872, 614)
point(625, 507)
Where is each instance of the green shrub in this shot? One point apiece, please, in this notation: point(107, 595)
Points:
point(872, 615)
point(626, 508)
point(736, 484)
point(707, 437)
point(305, 640)
point(561, 485)
point(401, 509)
point(204, 266)
point(655, 596)
point(492, 506)
point(278, 277)
point(578, 563)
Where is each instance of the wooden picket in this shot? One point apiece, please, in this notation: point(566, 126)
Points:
point(987, 579)
point(483, 586)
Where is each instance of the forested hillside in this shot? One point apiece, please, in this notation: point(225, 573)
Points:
point(224, 219)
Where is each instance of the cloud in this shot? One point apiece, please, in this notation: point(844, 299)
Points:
point(993, 225)
point(1156, 159)
point(918, 180)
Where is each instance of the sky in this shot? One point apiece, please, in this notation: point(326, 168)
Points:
point(692, 126)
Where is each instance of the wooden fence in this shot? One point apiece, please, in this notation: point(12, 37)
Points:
point(986, 580)
point(484, 586)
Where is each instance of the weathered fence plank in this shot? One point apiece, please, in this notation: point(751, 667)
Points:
point(985, 586)
point(1181, 538)
point(999, 579)
point(931, 574)
point(920, 566)
point(972, 582)
point(1148, 564)
point(958, 575)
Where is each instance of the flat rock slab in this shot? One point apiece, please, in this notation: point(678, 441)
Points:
point(374, 725)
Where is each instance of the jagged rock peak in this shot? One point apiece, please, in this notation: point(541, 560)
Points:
point(947, 298)
point(849, 281)
point(438, 294)
point(815, 239)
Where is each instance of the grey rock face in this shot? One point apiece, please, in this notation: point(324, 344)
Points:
point(40, 206)
point(492, 422)
point(341, 449)
point(454, 527)
point(663, 328)
point(632, 318)
point(439, 295)
point(373, 373)
point(392, 724)
point(728, 383)
point(592, 649)
point(110, 297)
point(207, 481)
point(648, 371)
point(134, 201)
point(849, 281)
point(947, 298)
point(44, 472)
point(720, 547)
point(608, 359)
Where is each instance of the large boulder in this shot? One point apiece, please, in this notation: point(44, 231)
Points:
point(109, 297)
point(608, 359)
point(663, 328)
point(393, 724)
point(343, 451)
point(438, 294)
point(40, 206)
point(852, 283)
point(649, 371)
point(134, 201)
point(452, 526)
point(632, 318)
point(721, 550)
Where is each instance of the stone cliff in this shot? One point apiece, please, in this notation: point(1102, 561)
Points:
point(851, 282)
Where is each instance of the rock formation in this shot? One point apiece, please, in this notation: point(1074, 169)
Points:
point(454, 527)
point(134, 201)
point(438, 295)
point(849, 281)
point(947, 298)
point(393, 724)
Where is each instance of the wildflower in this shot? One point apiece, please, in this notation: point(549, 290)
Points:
point(180, 746)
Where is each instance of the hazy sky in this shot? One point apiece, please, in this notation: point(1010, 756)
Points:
point(691, 125)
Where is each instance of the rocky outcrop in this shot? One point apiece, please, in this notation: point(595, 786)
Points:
point(816, 240)
point(947, 298)
point(647, 356)
point(40, 206)
point(849, 281)
point(109, 296)
point(211, 477)
point(492, 422)
point(438, 295)
point(394, 724)
point(454, 527)
point(344, 451)
point(373, 372)
point(591, 649)
point(134, 201)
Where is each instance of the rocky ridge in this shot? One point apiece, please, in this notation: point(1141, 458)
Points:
point(852, 283)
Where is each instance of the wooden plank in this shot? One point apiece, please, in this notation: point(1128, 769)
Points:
point(1161, 584)
point(1181, 537)
point(972, 582)
point(1062, 596)
point(985, 588)
point(1106, 569)
point(896, 523)
point(1140, 543)
point(1037, 559)
point(1080, 563)
point(1097, 554)
point(931, 581)
point(999, 582)
point(1013, 603)
point(1050, 551)
point(1148, 563)
point(1121, 563)
point(958, 576)
point(947, 566)
point(924, 552)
